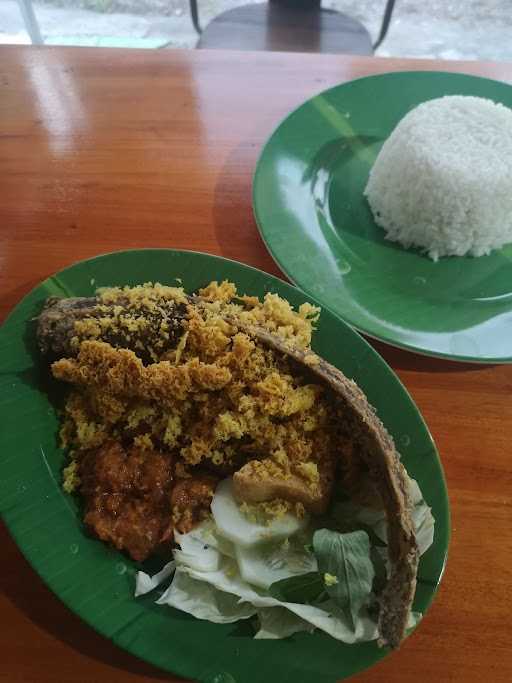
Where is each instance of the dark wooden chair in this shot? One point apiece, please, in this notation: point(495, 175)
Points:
point(288, 26)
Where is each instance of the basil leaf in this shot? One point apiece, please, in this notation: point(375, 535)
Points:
point(304, 588)
point(347, 558)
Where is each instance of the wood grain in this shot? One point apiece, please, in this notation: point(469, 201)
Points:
point(112, 149)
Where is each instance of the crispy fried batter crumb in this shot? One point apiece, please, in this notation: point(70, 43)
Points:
point(215, 292)
point(144, 442)
point(71, 480)
point(172, 431)
point(180, 348)
point(268, 469)
point(268, 511)
point(218, 397)
point(148, 294)
point(122, 374)
point(309, 470)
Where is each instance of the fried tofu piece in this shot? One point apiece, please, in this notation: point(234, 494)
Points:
point(264, 480)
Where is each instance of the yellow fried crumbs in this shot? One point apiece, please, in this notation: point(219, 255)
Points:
point(266, 512)
point(273, 314)
point(70, 478)
point(218, 397)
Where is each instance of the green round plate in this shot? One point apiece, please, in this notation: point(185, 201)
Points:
point(97, 582)
point(309, 205)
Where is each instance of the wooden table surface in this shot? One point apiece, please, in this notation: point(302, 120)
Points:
point(111, 149)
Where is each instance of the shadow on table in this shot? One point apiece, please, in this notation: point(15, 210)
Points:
point(26, 592)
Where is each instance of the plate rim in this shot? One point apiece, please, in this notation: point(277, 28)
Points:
point(420, 350)
point(176, 670)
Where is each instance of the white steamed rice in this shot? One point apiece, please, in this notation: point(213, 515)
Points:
point(443, 179)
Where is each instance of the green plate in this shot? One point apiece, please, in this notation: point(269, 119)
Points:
point(309, 205)
point(97, 582)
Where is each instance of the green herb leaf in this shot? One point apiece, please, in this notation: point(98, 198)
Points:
point(347, 557)
point(304, 588)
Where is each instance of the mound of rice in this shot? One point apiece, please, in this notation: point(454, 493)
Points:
point(443, 179)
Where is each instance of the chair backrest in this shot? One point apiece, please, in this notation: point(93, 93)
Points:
point(310, 4)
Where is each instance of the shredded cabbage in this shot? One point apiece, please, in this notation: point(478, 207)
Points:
point(220, 580)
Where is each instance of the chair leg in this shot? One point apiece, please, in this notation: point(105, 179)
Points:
point(385, 23)
point(194, 13)
point(30, 21)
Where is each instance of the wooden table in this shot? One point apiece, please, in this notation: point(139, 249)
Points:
point(112, 149)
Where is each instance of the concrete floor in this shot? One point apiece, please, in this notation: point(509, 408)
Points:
point(451, 29)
